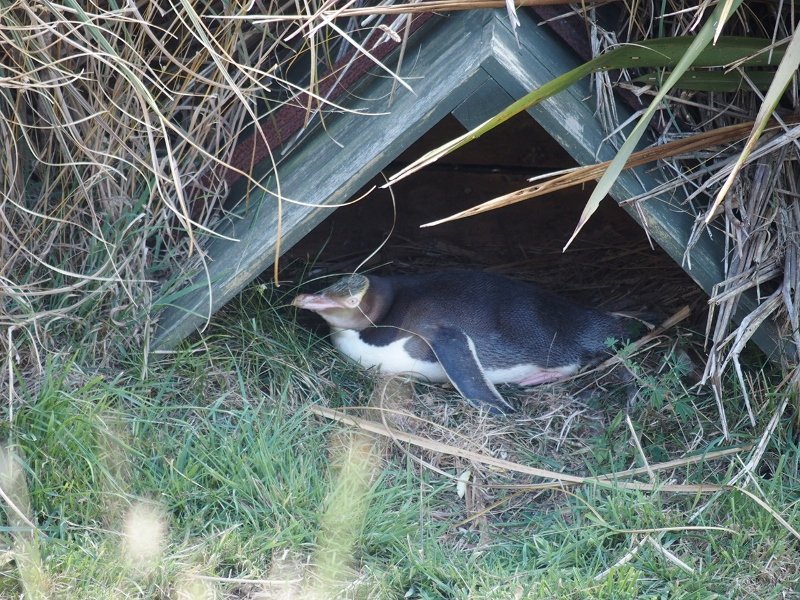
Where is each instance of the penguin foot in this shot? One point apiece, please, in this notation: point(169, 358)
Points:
point(494, 408)
point(547, 376)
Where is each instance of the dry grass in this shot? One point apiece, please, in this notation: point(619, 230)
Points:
point(119, 127)
point(759, 219)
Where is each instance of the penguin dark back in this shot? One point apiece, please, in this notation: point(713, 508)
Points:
point(471, 328)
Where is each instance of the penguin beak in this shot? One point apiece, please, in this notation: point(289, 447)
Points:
point(313, 302)
point(316, 302)
point(345, 294)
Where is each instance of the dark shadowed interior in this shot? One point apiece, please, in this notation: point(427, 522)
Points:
point(611, 264)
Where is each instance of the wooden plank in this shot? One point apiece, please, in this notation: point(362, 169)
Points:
point(458, 66)
point(327, 168)
point(488, 100)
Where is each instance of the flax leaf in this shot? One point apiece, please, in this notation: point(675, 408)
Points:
point(608, 179)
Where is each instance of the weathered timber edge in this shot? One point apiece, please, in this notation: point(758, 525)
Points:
point(463, 64)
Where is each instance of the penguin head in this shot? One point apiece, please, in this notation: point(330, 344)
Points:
point(340, 304)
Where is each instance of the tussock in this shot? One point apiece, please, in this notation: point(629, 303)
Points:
point(119, 127)
point(758, 220)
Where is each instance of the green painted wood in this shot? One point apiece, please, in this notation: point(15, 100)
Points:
point(329, 166)
point(488, 100)
point(458, 65)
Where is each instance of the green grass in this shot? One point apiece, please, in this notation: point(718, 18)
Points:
point(242, 482)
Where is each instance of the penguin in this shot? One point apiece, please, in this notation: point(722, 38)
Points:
point(471, 328)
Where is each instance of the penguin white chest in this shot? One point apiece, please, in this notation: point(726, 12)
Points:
point(392, 358)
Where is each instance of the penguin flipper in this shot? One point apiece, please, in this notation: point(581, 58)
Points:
point(455, 351)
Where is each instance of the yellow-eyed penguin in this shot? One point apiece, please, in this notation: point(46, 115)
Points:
point(471, 328)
